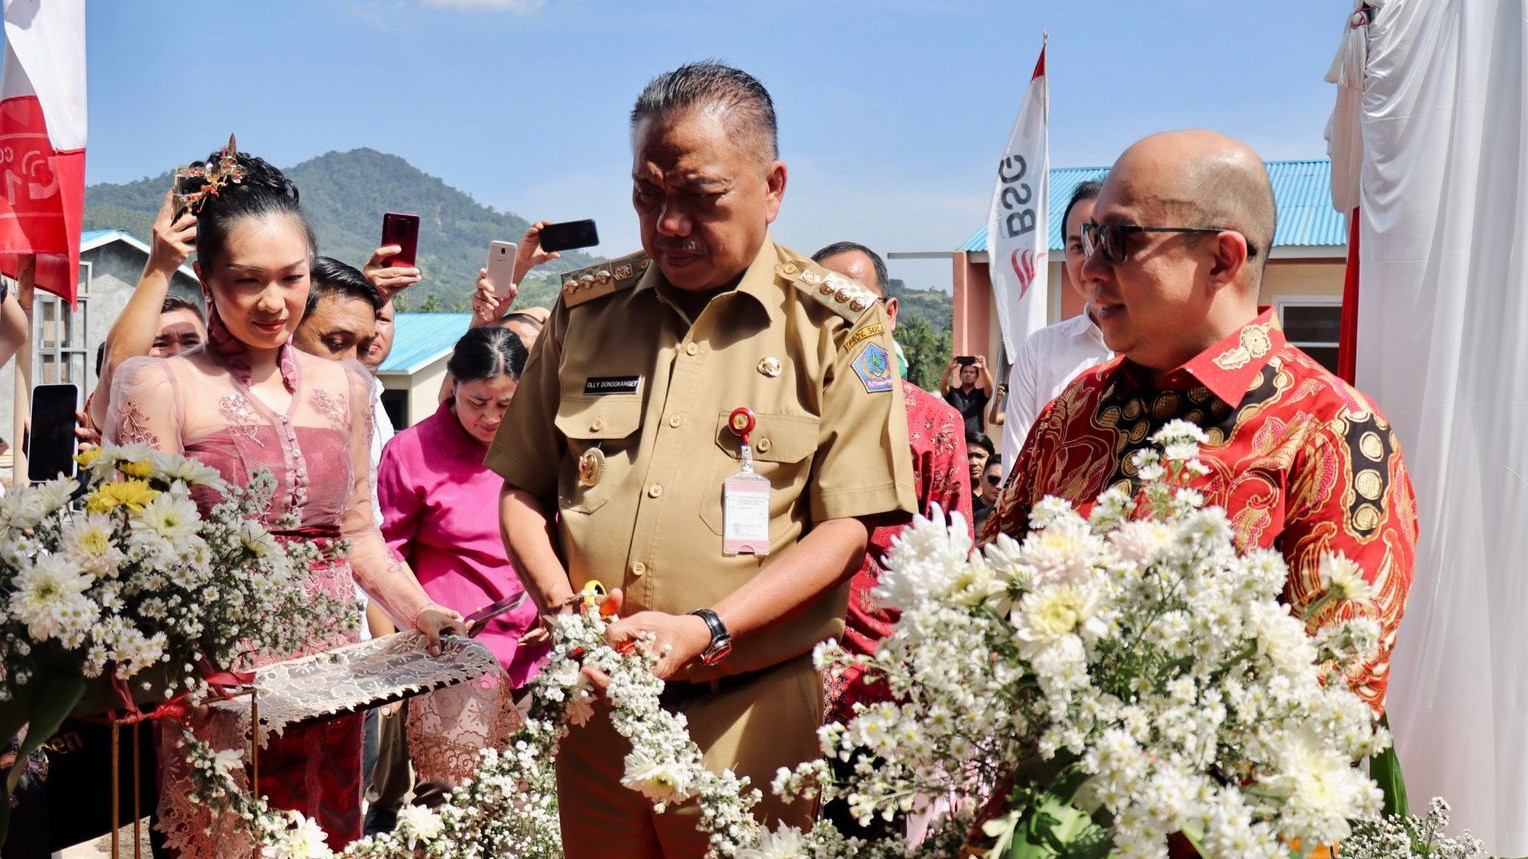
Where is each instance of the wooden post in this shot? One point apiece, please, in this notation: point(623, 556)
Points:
point(23, 359)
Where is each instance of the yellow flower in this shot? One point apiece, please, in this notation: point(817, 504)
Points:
point(132, 494)
point(141, 468)
point(88, 456)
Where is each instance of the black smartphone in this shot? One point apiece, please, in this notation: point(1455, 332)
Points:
point(50, 439)
point(568, 235)
point(480, 618)
point(401, 229)
point(965, 360)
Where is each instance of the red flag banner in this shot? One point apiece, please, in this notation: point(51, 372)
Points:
point(42, 141)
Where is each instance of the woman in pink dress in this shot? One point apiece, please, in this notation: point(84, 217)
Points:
point(248, 401)
point(440, 505)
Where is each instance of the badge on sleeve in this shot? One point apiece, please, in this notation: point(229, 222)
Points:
point(873, 366)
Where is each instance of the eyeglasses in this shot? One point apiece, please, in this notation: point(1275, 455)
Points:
point(1109, 239)
point(994, 479)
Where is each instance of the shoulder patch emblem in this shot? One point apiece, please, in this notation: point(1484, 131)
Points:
point(834, 291)
point(602, 279)
point(873, 366)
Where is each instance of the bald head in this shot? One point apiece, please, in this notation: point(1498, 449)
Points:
point(1201, 179)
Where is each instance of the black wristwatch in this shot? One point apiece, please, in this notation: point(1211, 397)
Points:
point(721, 639)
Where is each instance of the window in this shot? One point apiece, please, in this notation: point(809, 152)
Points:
point(59, 332)
point(1313, 323)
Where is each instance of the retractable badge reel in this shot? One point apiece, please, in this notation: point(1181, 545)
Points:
point(745, 497)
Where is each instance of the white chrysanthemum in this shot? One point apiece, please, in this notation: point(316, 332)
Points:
point(1049, 616)
point(783, 843)
point(1322, 790)
point(1140, 541)
point(257, 541)
point(55, 494)
point(1063, 551)
point(1344, 579)
point(170, 516)
point(47, 593)
point(1281, 639)
point(21, 509)
point(418, 825)
point(1179, 431)
point(187, 470)
point(304, 840)
point(923, 562)
point(659, 781)
point(88, 539)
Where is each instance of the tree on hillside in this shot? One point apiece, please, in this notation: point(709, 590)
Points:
point(928, 351)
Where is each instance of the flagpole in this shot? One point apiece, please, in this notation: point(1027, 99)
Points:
point(23, 358)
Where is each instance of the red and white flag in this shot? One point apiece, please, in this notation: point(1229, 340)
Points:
point(1018, 228)
point(42, 140)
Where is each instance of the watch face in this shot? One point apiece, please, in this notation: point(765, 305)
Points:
point(717, 651)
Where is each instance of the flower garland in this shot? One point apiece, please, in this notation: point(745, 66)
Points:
point(1106, 683)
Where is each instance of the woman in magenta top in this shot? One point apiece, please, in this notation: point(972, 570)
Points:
point(440, 506)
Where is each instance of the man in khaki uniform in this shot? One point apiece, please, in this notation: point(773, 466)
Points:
point(617, 445)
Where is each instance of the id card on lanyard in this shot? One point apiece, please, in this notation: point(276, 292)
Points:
point(745, 498)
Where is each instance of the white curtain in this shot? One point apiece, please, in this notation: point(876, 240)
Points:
point(1443, 348)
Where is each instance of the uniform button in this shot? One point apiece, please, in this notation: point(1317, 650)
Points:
point(654, 491)
point(691, 349)
point(597, 425)
point(764, 445)
point(639, 569)
point(675, 421)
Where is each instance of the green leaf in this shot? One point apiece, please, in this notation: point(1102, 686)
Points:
point(56, 696)
point(1385, 769)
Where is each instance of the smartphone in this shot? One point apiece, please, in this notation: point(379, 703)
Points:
point(50, 440)
point(501, 267)
point(568, 235)
point(401, 229)
point(480, 618)
point(180, 197)
point(965, 360)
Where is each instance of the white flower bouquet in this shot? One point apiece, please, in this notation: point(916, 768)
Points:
point(1109, 682)
point(1105, 684)
point(113, 580)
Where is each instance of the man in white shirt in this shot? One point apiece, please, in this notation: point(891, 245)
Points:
point(1052, 357)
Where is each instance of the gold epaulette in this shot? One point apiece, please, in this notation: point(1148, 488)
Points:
point(602, 279)
point(831, 289)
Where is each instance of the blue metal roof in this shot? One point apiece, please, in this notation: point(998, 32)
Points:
point(1302, 191)
point(420, 338)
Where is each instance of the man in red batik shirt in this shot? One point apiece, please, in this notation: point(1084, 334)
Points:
point(941, 475)
point(1301, 461)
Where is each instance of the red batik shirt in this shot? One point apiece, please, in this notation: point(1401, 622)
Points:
point(1302, 462)
point(942, 476)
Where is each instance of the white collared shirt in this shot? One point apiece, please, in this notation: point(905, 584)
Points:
point(1048, 361)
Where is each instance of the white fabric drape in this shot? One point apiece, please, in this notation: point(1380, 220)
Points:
point(1443, 348)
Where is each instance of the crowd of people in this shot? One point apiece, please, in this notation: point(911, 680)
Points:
point(597, 443)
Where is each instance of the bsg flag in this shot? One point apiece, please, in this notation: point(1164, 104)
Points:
point(1017, 226)
point(42, 140)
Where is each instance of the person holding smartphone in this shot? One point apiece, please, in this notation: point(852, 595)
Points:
point(967, 385)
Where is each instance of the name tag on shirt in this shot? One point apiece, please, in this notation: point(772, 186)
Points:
point(599, 385)
point(745, 514)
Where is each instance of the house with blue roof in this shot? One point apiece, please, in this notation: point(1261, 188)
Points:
point(414, 371)
point(1304, 280)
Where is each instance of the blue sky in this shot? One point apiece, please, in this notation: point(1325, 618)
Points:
point(892, 113)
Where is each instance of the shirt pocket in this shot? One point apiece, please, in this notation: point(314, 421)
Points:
point(783, 448)
point(607, 422)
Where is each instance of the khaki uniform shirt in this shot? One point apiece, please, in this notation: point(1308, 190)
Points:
point(619, 367)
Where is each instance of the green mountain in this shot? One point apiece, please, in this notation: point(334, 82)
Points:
point(345, 195)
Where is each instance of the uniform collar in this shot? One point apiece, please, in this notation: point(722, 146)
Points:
point(758, 281)
point(1227, 369)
